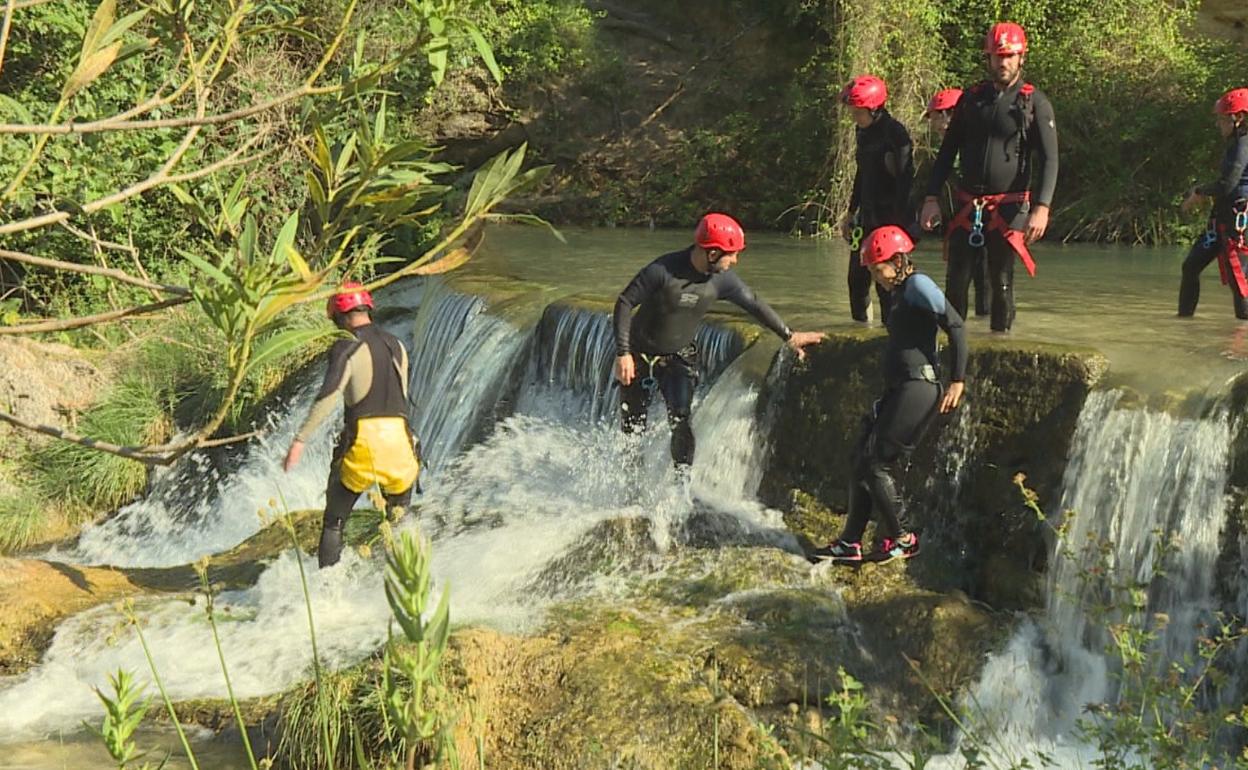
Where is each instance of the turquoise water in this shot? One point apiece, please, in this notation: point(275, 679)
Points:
point(1118, 300)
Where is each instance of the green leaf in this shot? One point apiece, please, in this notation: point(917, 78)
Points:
point(120, 28)
point(284, 342)
point(9, 104)
point(205, 267)
point(437, 51)
point(484, 50)
point(379, 123)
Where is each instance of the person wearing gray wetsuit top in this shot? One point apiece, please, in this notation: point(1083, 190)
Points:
point(655, 350)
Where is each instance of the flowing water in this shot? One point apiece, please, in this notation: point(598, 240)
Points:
point(515, 407)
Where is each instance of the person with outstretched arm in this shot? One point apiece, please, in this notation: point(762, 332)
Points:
point(657, 315)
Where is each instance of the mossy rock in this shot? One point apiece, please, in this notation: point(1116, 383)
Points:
point(1019, 416)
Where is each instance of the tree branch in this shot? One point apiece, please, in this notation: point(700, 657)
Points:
point(73, 267)
point(156, 180)
point(96, 241)
point(4, 29)
point(90, 320)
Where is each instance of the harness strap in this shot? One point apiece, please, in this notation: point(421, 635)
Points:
point(970, 219)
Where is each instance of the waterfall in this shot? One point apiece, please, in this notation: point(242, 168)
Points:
point(1135, 479)
point(519, 430)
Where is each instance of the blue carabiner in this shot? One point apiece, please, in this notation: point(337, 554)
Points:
point(976, 237)
point(1209, 239)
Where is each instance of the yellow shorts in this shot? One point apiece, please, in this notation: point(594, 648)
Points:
point(382, 454)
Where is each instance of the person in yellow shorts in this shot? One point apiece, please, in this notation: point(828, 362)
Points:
point(376, 445)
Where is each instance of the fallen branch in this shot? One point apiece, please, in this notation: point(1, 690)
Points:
point(72, 267)
point(91, 320)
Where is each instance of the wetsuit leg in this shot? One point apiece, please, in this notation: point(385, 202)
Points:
point(959, 270)
point(1001, 259)
point(1198, 258)
point(904, 414)
point(859, 500)
point(397, 505)
point(859, 281)
point(678, 378)
point(1240, 302)
point(979, 277)
point(338, 504)
point(635, 399)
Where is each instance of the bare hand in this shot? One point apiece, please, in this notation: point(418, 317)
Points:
point(625, 369)
point(847, 227)
point(952, 397)
point(293, 455)
point(929, 217)
point(800, 340)
point(1192, 200)
point(1037, 223)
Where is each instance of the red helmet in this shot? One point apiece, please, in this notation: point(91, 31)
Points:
point(720, 231)
point(944, 100)
point(1005, 38)
point(352, 296)
point(883, 244)
point(865, 91)
point(1232, 102)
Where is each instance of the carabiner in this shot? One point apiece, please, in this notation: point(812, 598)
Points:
point(855, 238)
point(976, 236)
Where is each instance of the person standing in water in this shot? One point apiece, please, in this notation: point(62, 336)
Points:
point(997, 128)
point(912, 396)
point(1224, 238)
point(369, 372)
point(655, 350)
point(938, 114)
point(883, 176)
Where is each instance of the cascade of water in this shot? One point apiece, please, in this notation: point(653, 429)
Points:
point(541, 478)
point(463, 361)
point(1135, 480)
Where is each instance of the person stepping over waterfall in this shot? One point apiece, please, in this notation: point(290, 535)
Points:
point(376, 446)
point(1225, 237)
point(997, 128)
point(883, 176)
point(938, 114)
point(655, 351)
point(912, 396)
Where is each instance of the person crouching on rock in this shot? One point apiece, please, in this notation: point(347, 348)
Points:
point(376, 446)
point(912, 396)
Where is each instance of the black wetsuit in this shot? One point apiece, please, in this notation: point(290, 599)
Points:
point(672, 298)
point(1230, 187)
point(993, 136)
point(377, 358)
point(882, 182)
point(911, 395)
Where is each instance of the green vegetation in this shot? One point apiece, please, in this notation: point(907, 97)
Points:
point(739, 110)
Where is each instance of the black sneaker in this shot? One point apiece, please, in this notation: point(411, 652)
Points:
point(906, 546)
point(839, 550)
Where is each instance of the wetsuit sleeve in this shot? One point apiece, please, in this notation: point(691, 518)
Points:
point(951, 322)
point(643, 285)
point(1046, 130)
point(904, 150)
point(922, 292)
point(336, 376)
point(1232, 172)
point(855, 200)
point(943, 166)
point(735, 291)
